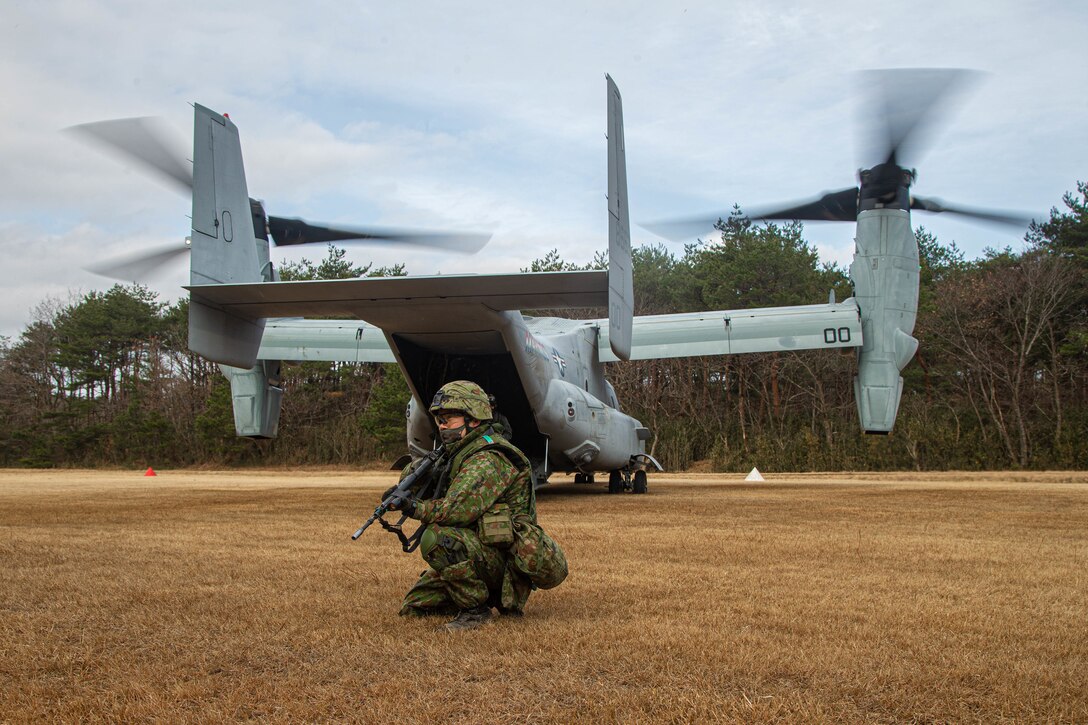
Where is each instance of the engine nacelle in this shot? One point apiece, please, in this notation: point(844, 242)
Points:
point(885, 274)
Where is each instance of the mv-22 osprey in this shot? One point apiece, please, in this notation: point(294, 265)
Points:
point(547, 374)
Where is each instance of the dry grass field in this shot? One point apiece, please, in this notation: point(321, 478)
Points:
point(210, 597)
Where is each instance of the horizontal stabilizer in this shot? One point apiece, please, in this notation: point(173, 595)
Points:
point(374, 297)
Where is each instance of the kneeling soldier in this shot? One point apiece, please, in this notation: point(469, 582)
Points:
point(485, 482)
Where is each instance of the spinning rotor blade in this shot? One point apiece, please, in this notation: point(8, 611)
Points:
point(146, 140)
point(906, 101)
point(140, 265)
point(684, 228)
point(137, 266)
point(936, 206)
point(287, 232)
point(834, 206)
point(149, 142)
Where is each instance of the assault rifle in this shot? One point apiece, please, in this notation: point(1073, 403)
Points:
point(399, 495)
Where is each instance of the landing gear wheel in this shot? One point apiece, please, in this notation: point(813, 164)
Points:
point(640, 485)
point(615, 482)
point(579, 478)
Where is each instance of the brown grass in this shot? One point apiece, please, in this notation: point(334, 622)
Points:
point(208, 597)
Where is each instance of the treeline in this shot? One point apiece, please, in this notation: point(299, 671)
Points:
point(108, 380)
point(1000, 379)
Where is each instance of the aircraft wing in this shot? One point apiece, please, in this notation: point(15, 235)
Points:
point(328, 340)
point(731, 332)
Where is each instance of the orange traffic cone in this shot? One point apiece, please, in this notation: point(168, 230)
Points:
point(150, 472)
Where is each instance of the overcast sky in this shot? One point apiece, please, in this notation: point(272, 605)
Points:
point(486, 115)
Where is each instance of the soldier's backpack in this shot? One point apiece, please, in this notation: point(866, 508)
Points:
point(536, 555)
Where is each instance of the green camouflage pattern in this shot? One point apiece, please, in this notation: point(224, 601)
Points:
point(463, 396)
point(536, 555)
point(478, 480)
point(451, 584)
point(463, 572)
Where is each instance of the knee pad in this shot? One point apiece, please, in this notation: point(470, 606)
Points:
point(441, 550)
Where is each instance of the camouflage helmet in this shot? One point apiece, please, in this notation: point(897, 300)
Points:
point(463, 396)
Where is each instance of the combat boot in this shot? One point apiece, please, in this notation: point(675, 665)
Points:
point(469, 619)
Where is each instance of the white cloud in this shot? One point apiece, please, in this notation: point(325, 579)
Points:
point(457, 114)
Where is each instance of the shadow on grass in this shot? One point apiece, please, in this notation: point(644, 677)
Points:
point(572, 489)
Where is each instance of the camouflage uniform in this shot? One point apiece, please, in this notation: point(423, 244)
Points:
point(464, 573)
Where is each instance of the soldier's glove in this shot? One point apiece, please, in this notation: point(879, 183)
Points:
point(403, 502)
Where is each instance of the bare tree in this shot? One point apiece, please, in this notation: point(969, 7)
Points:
point(995, 321)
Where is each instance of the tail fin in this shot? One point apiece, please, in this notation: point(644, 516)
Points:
point(224, 247)
point(256, 395)
point(620, 285)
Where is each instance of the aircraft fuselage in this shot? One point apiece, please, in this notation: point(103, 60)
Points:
point(546, 377)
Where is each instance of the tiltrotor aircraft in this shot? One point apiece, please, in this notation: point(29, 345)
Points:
point(547, 374)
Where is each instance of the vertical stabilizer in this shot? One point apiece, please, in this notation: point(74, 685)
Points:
point(620, 286)
point(256, 396)
point(224, 249)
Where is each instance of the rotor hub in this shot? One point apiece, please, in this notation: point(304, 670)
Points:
point(885, 186)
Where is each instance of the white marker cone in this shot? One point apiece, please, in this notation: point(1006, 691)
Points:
point(755, 475)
